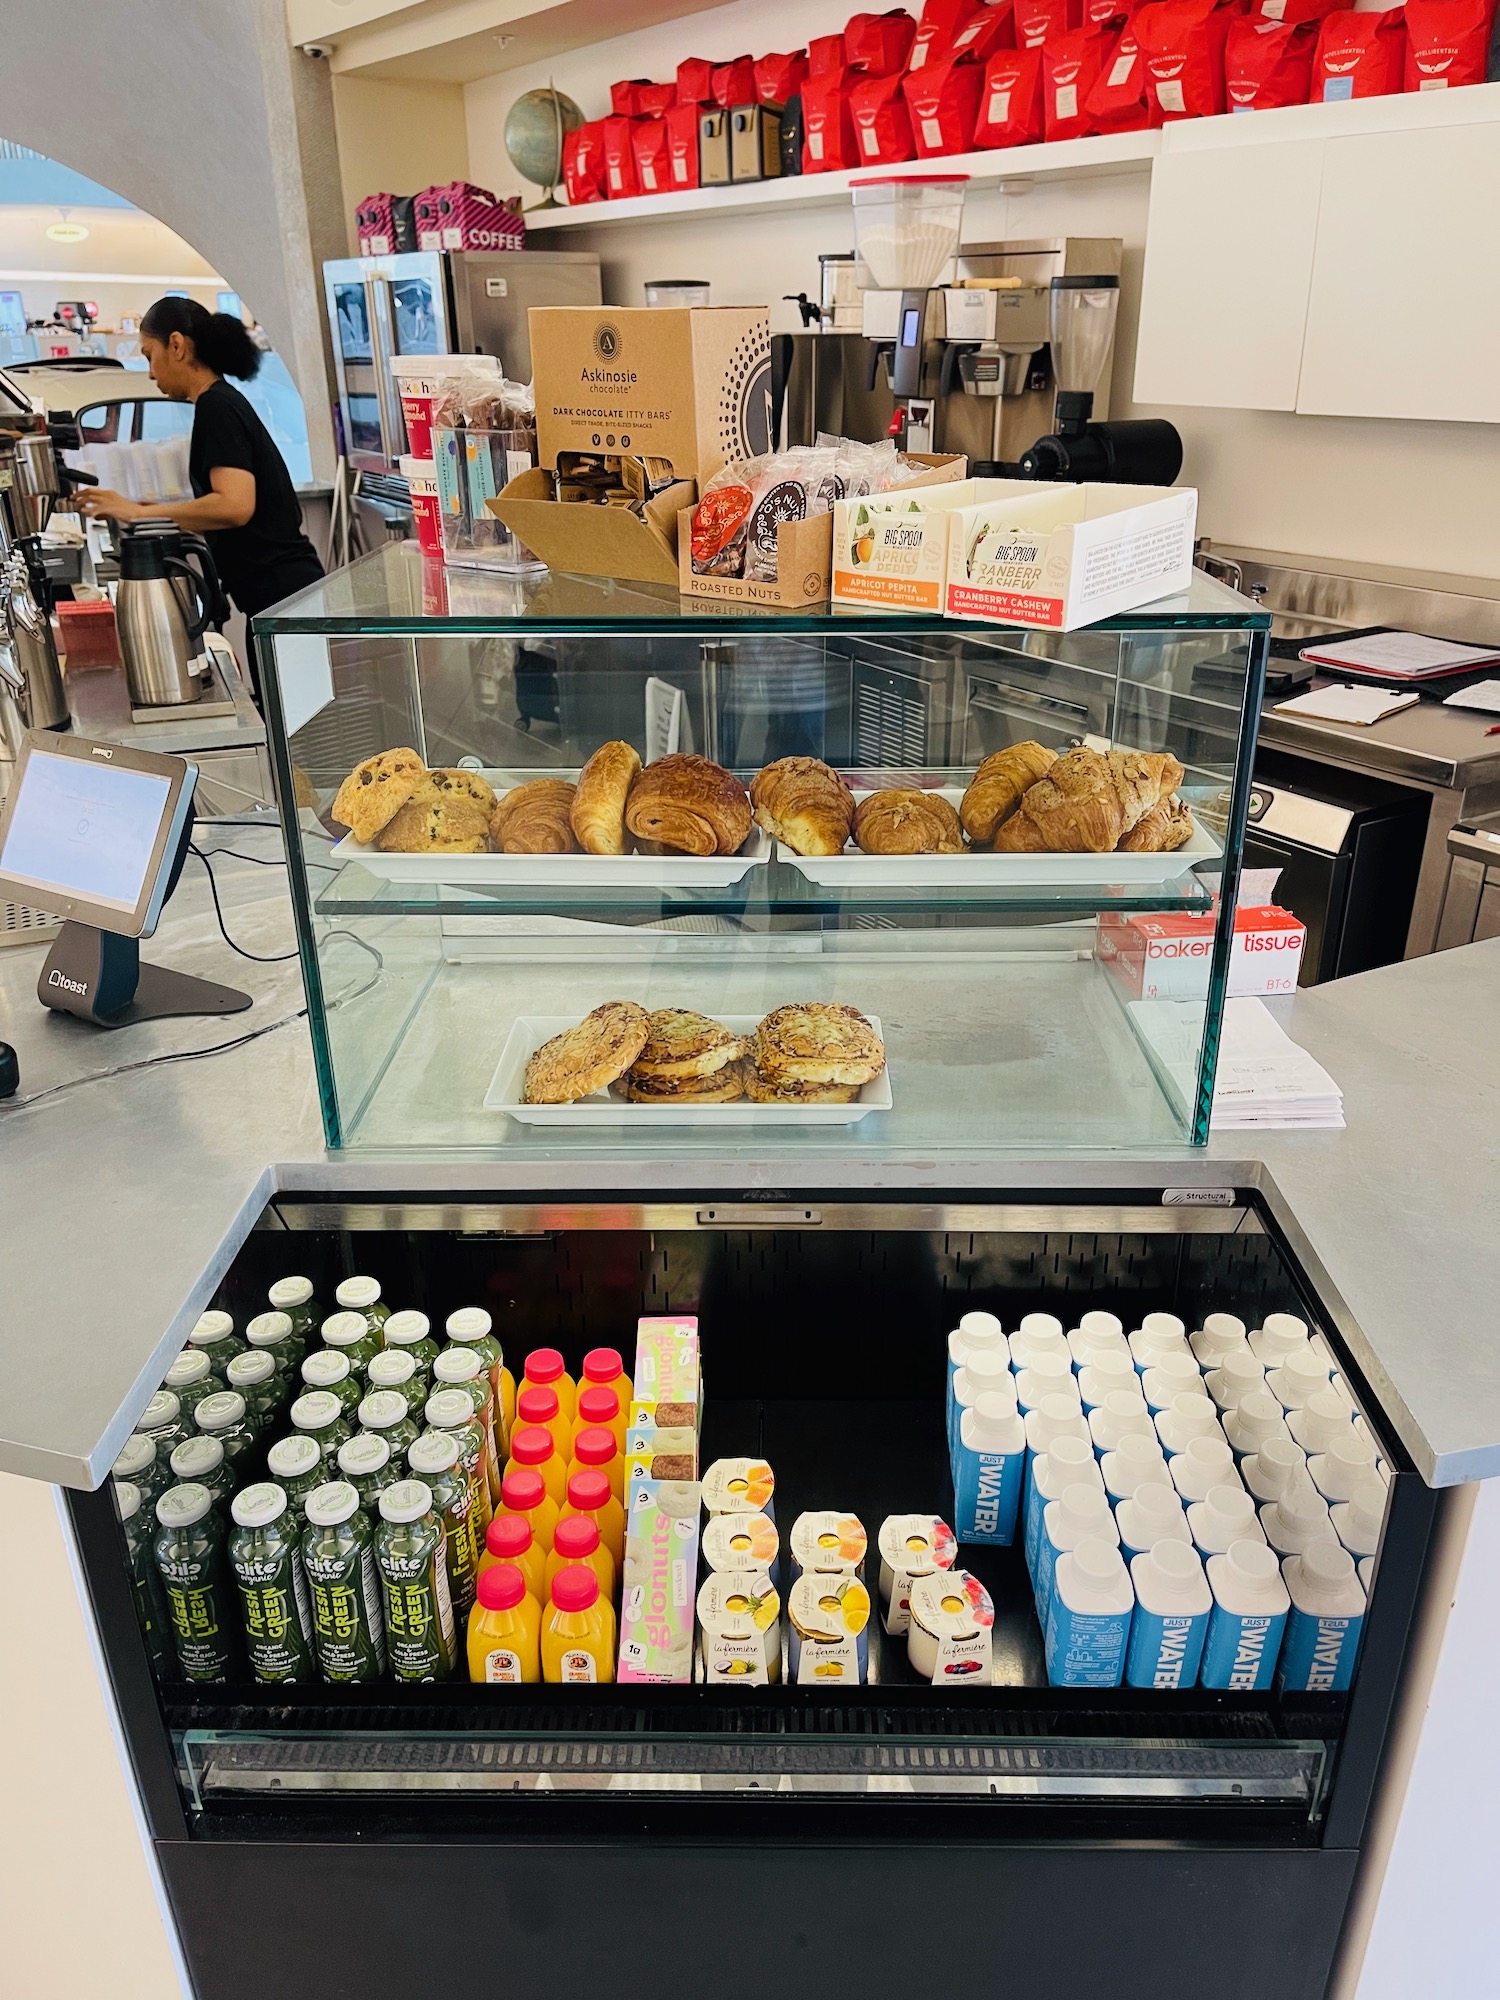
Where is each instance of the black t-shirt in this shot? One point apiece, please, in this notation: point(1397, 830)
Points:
point(269, 557)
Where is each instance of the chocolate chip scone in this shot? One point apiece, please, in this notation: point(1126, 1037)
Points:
point(588, 1057)
point(452, 826)
point(376, 790)
point(443, 786)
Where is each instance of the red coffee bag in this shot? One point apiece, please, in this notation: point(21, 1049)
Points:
point(656, 99)
point(882, 129)
point(778, 78)
point(938, 30)
point(653, 161)
point(992, 29)
point(1070, 69)
point(1119, 101)
point(1010, 109)
point(682, 145)
point(1359, 55)
point(625, 98)
point(1183, 45)
point(1446, 42)
point(695, 81)
point(1268, 63)
point(825, 56)
point(943, 99)
point(734, 82)
point(583, 163)
point(619, 159)
point(878, 44)
point(827, 128)
point(1294, 13)
point(1039, 21)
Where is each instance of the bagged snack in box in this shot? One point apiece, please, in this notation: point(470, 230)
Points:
point(862, 468)
point(827, 127)
point(878, 44)
point(682, 145)
point(695, 81)
point(938, 30)
point(1268, 63)
point(1183, 43)
point(743, 507)
point(1070, 68)
point(1359, 55)
point(1446, 42)
point(943, 99)
point(779, 78)
point(583, 163)
point(882, 129)
point(619, 159)
point(1041, 21)
point(1010, 109)
point(733, 82)
point(653, 165)
point(825, 56)
point(992, 29)
point(1118, 101)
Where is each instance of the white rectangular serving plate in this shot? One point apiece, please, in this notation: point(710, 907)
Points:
point(604, 1108)
point(558, 871)
point(853, 869)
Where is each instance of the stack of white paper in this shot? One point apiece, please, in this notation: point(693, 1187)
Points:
point(1264, 1079)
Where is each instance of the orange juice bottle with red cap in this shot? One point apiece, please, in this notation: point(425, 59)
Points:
point(545, 1370)
point(604, 1368)
point(594, 1446)
point(578, 1631)
point(599, 1406)
point(589, 1494)
point(523, 1491)
point(577, 1541)
point(535, 1405)
point(532, 1445)
point(505, 1621)
point(508, 1539)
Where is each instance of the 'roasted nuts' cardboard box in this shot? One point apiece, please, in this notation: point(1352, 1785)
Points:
point(688, 384)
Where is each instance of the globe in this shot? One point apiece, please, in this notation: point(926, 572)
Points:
point(534, 130)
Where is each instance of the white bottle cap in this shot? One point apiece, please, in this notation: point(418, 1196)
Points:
point(1087, 1344)
point(127, 1499)
point(391, 1370)
point(457, 1364)
point(1299, 1378)
point(383, 1408)
point(1186, 1418)
point(468, 1323)
point(1080, 1510)
point(1320, 1420)
point(981, 1327)
point(1055, 1417)
point(433, 1451)
point(1339, 1472)
point(1246, 1580)
point(181, 1506)
point(1095, 1577)
point(1224, 1327)
point(1122, 1414)
point(257, 1506)
point(1027, 1343)
point(1250, 1423)
point(343, 1329)
point(1168, 1325)
point(292, 1457)
point(1201, 1465)
point(1366, 1568)
point(289, 1292)
point(404, 1329)
point(992, 1423)
point(1225, 1516)
point(323, 1367)
point(248, 1371)
point(221, 1412)
point(1358, 1522)
point(407, 1500)
point(316, 1410)
point(1041, 1326)
point(211, 1329)
point(1101, 1322)
point(1321, 1580)
point(1282, 1333)
point(137, 1455)
point(196, 1458)
point(331, 1503)
point(1049, 1375)
point(1169, 1581)
point(192, 1365)
point(358, 1294)
point(448, 1409)
point(1173, 1375)
point(162, 1411)
point(1151, 1345)
point(1297, 1519)
point(1237, 1376)
point(1066, 1460)
point(269, 1329)
point(1152, 1514)
point(1135, 1462)
point(358, 1457)
point(1100, 1377)
point(1275, 1468)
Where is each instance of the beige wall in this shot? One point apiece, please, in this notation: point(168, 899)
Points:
point(396, 138)
point(1425, 496)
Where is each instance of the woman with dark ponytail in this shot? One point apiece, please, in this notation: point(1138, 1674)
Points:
point(244, 502)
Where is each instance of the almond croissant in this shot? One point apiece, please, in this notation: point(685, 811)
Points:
point(902, 821)
point(1161, 830)
point(1088, 801)
point(997, 787)
point(804, 802)
point(690, 806)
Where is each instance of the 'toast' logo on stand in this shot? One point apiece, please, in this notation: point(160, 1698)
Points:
point(56, 978)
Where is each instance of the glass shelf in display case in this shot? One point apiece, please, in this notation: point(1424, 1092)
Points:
point(431, 976)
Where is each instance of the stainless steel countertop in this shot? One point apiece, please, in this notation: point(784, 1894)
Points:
point(123, 1201)
point(1428, 744)
point(100, 705)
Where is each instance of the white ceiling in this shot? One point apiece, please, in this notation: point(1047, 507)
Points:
point(459, 41)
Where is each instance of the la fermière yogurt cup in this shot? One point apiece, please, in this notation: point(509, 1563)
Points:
point(911, 1545)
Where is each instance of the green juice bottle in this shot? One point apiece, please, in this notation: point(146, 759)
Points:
point(191, 1378)
point(366, 1462)
point(226, 1417)
point(328, 1368)
point(144, 1466)
point(214, 1335)
point(294, 1297)
point(296, 1464)
point(350, 1334)
point(411, 1333)
point(338, 1559)
point(410, 1555)
point(362, 1296)
point(200, 1461)
point(434, 1459)
point(150, 1606)
point(162, 1420)
point(254, 1377)
point(267, 1565)
point(386, 1412)
point(321, 1415)
point(273, 1333)
point(190, 1560)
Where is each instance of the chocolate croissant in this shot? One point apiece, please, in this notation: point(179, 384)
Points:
point(907, 822)
point(533, 819)
point(997, 787)
point(1088, 802)
point(689, 805)
point(804, 802)
point(1162, 829)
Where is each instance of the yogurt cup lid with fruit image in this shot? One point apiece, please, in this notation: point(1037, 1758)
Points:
point(738, 1486)
point(916, 1544)
point(829, 1541)
point(739, 1604)
point(741, 1541)
point(829, 1607)
point(951, 1606)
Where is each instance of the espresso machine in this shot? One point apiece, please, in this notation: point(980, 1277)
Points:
point(33, 484)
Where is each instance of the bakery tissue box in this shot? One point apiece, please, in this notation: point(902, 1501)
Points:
point(1166, 956)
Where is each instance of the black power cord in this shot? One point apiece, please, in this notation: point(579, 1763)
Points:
point(255, 957)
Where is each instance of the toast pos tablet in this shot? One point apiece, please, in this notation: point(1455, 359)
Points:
point(97, 834)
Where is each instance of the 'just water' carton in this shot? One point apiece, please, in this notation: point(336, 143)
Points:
point(1089, 1616)
point(987, 1471)
point(1327, 1618)
point(976, 1333)
point(1173, 1603)
point(1067, 1460)
point(1247, 1621)
point(1082, 1514)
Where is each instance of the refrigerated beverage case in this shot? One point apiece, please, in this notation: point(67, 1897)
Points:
point(434, 1459)
point(321, 1416)
point(1152, 1514)
point(504, 1638)
point(578, 1631)
point(294, 1297)
point(191, 1377)
point(150, 1607)
point(214, 1335)
point(296, 1464)
point(988, 1471)
point(351, 1334)
point(1173, 1602)
point(1185, 1418)
point(1137, 1462)
point(1325, 1622)
point(1122, 1414)
point(224, 1416)
point(576, 1540)
point(201, 1461)
point(1066, 1462)
point(254, 1377)
point(540, 1406)
point(546, 1368)
point(452, 1410)
point(595, 1450)
point(523, 1492)
point(1221, 1334)
point(1082, 1514)
point(326, 1368)
point(1088, 1616)
point(384, 1411)
point(162, 1420)
point(473, 1328)
point(508, 1539)
point(273, 1333)
point(461, 1368)
point(267, 1563)
point(145, 1467)
point(189, 1553)
point(1247, 1620)
point(343, 1585)
point(533, 1447)
point(362, 1296)
point(411, 1559)
point(589, 1492)
point(1277, 1338)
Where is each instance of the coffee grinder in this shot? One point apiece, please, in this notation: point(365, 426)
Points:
point(1140, 451)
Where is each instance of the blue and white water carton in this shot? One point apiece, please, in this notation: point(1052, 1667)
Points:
point(1326, 1621)
point(988, 1470)
point(1173, 1603)
point(1089, 1616)
point(1247, 1620)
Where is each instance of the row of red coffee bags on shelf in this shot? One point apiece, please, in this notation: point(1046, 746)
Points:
point(972, 76)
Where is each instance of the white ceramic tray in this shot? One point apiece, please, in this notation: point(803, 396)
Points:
point(606, 1108)
point(853, 869)
point(558, 871)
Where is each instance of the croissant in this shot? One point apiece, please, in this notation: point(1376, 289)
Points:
point(804, 802)
point(533, 819)
point(1088, 801)
point(907, 822)
point(1161, 829)
point(598, 812)
point(996, 788)
point(689, 805)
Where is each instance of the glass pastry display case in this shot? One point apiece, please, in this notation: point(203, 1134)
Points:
point(921, 928)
